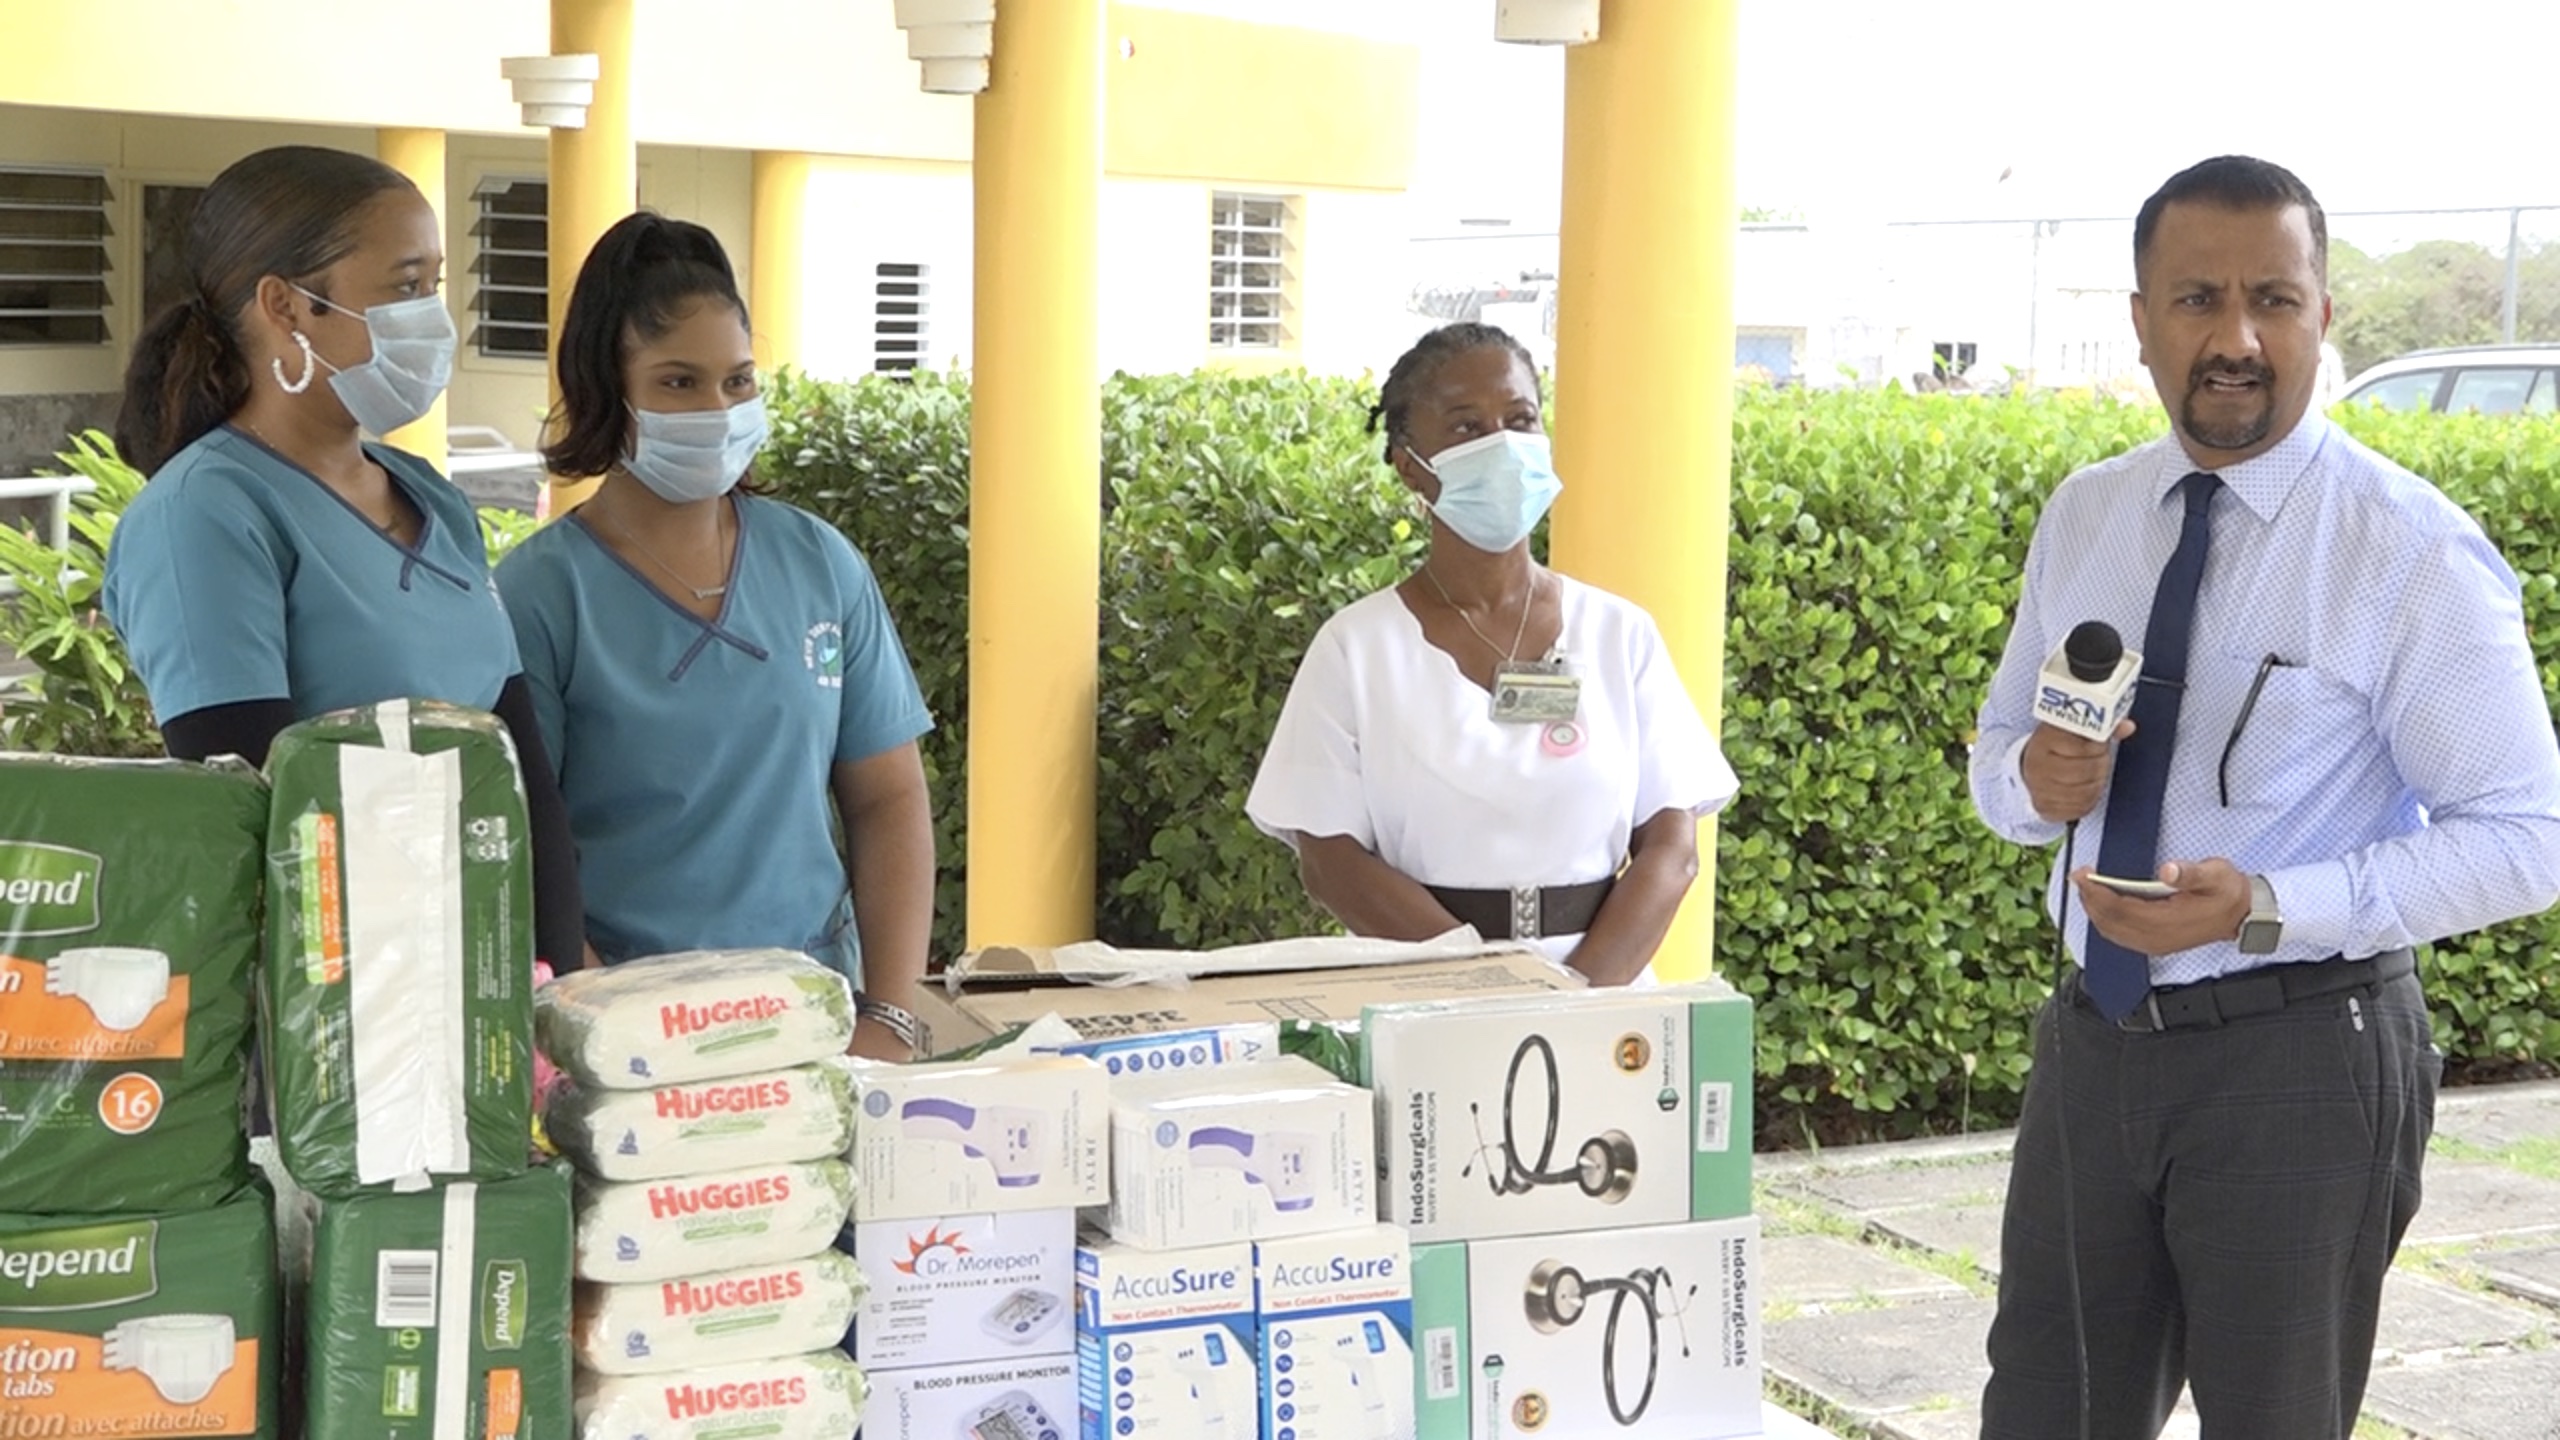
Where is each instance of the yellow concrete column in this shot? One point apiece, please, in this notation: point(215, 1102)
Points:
point(595, 171)
point(776, 267)
point(1035, 435)
point(1644, 346)
point(419, 154)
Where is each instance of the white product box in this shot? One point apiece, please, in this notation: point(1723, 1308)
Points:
point(1181, 1049)
point(1279, 1148)
point(1650, 1334)
point(961, 1289)
point(1336, 1314)
point(1165, 1343)
point(979, 1136)
point(1597, 1109)
point(1031, 1398)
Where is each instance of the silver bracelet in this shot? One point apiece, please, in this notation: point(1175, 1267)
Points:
point(896, 1019)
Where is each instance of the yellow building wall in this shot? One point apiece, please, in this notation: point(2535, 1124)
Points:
point(1201, 96)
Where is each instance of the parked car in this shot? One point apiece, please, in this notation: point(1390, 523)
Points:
point(2481, 379)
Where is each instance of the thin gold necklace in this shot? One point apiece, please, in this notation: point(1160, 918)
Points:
point(1528, 603)
point(718, 528)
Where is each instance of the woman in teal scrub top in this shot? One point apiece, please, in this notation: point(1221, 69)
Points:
point(716, 670)
point(279, 564)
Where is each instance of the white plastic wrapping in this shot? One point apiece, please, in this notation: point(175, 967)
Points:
point(695, 1015)
point(755, 1312)
point(645, 1230)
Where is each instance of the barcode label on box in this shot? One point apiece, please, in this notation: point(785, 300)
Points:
point(404, 1290)
point(1440, 1363)
point(1715, 1117)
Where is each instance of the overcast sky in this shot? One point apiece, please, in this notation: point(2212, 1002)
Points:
point(1886, 109)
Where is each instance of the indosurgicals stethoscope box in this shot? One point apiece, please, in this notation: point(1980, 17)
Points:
point(1336, 1314)
point(958, 1289)
point(1256, 1151)
point(1165, 1342)
point(979, 1136)
point(1536, 1115)
point(1647, 1334)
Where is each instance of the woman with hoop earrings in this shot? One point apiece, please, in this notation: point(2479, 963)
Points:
point(1489, 742)
point(281, 564)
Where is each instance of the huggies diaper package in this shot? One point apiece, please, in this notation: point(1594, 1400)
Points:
point(697, 1015)
point(1646, 1334)
point(754, 1312)
point(141, 1325)
point(441, 1312)
point(1165, 1343)
point(1588, 1110)
point(641, 1231)
point(129, 895)
point(979, 1135)
point(803, 1113)
point(800, 1397)
point(958, 1289)
point(399, 972)
point(1261, 1150)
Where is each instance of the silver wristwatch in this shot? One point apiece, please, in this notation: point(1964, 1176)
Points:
point(2263, 929)
point(896, 1019)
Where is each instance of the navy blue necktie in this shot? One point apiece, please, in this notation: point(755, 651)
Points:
point(2117, 978)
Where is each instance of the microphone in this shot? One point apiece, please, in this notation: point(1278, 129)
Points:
point(2087, 684)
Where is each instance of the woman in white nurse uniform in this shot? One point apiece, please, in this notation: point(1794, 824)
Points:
point(1489, 742)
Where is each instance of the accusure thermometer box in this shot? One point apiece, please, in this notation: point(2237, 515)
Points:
point(1595, 1109)
point(1165, 1343)
point(1180, 1050)
point(979, 1136)
point(1644, 1334)
point(1278, 1148)
point(1336, 1318)
point(1024, 1398)
point(960, 1289)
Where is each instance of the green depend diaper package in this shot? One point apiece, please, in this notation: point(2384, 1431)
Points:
point(157, 1325)
point(399, 973)
point(129, 895)
point(441, 1312)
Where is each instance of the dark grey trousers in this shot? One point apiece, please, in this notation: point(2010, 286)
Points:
point(2239, 1192)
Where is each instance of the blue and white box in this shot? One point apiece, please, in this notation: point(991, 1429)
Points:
point(979, 1136)
point(1336, 1314)
point(1165, 1343)
point(1251, 1151)
point(959, 1289)
point(1181, 1050)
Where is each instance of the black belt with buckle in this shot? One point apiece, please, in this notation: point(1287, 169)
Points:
point(2260, 992)
point(1526, 912)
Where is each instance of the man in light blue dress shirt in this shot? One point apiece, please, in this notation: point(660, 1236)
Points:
point(2350, 757)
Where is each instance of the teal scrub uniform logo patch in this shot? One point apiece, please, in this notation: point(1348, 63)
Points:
point(822, 650)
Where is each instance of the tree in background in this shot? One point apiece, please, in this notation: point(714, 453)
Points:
point(2436, 293)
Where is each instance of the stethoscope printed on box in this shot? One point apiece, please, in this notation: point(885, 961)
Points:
point(1605, 1167)
point(1558, 1295)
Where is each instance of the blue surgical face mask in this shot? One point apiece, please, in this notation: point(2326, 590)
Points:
point(687, 455)
point(1495, 488)
point(412, 362)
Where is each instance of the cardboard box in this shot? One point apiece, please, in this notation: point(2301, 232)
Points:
point(965, 1289)
point(1599, 1109)
point(1181, 1049)
point(988, 992)
point(1200, 1156)
point(1029, 1398)
point(1516, 1335)
point(1336, 1313)
point(992, 1136)
point(1165, 1343)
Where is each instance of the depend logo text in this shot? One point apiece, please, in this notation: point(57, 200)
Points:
point(85, 1269)
point(47, 889)
point(502, 1300)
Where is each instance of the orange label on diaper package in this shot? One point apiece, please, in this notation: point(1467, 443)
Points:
point(506, 1405)
point(324, 916)
point(161, 1376)
point(90, 1005)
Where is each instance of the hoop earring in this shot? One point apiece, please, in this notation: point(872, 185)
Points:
point(295, 387)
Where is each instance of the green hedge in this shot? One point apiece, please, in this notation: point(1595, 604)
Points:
point(1894, 946)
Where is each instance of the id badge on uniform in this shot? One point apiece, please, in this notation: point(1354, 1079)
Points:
point(1535, 692)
